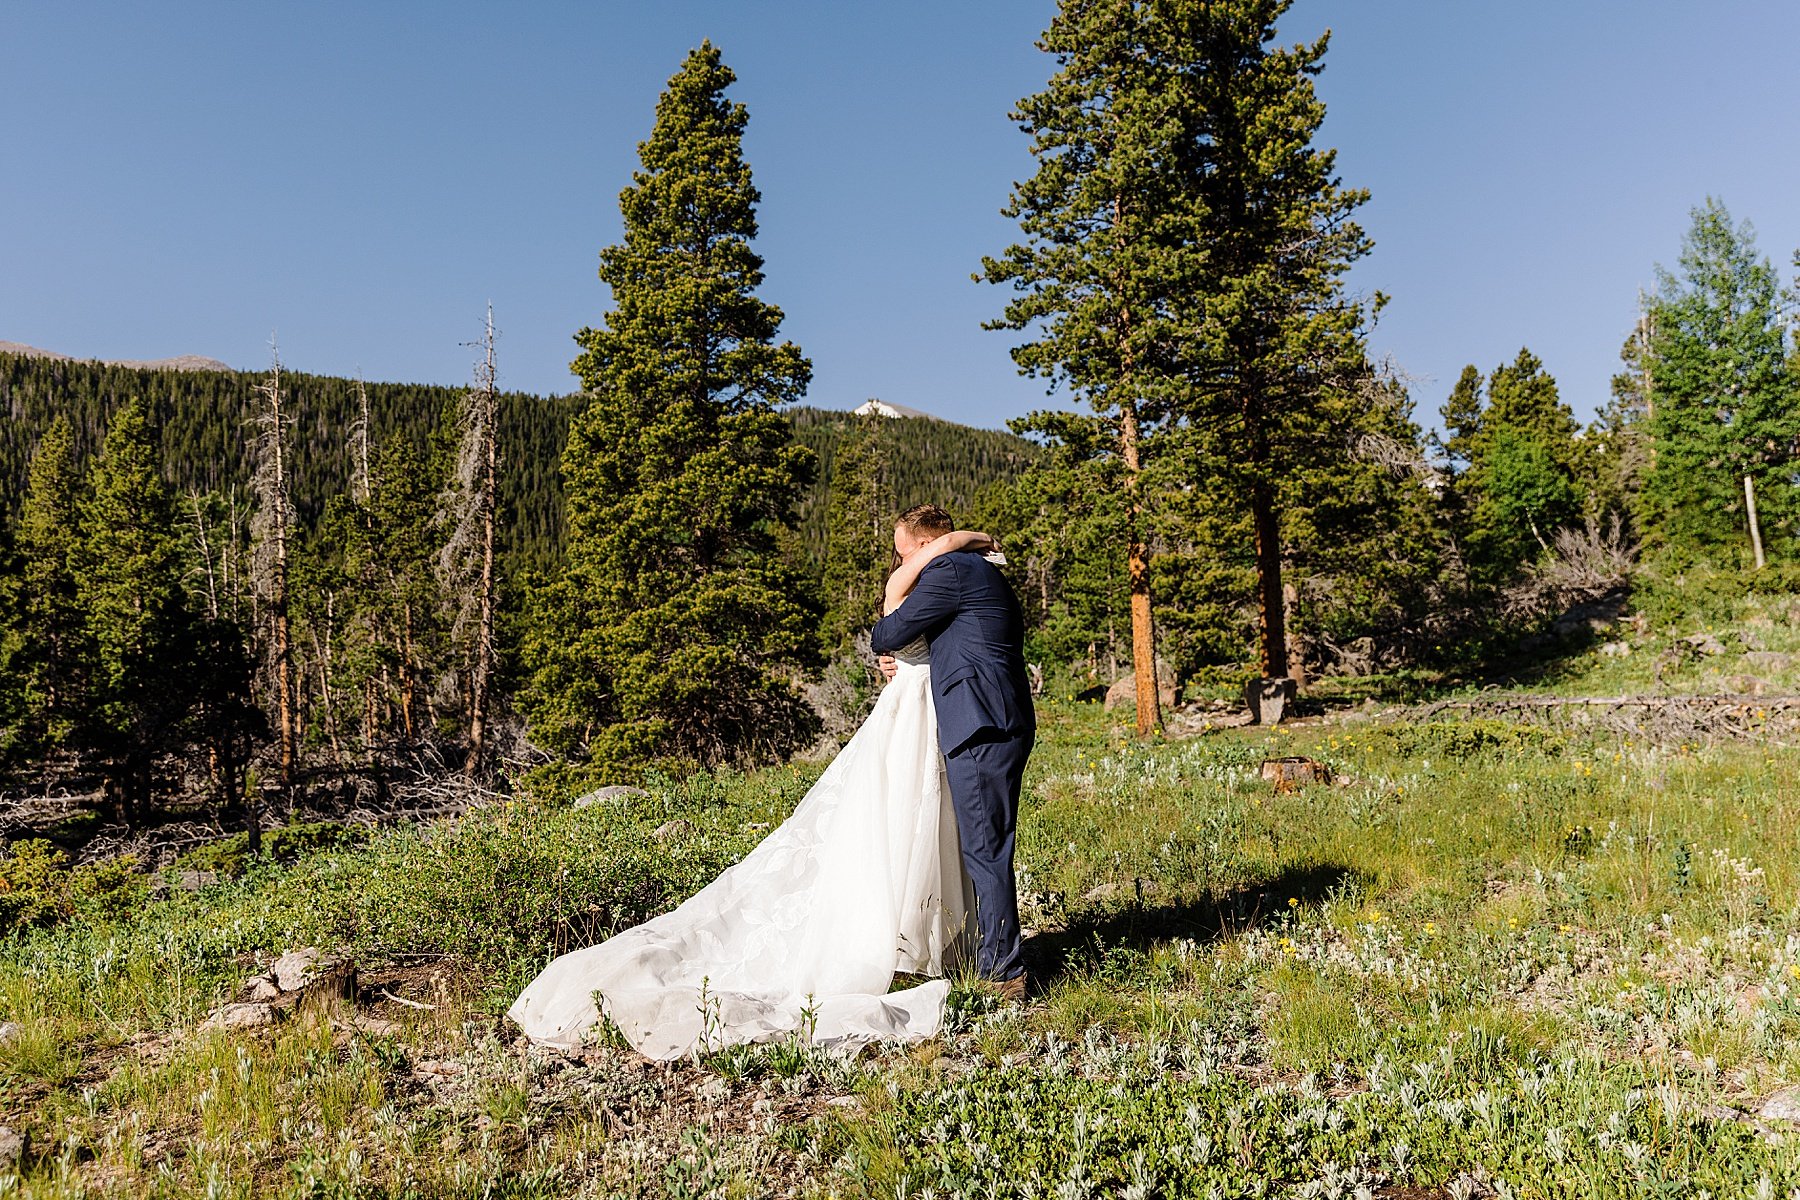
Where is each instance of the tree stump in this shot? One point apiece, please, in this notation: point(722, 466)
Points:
point(1267, 698)
point(1293, 773)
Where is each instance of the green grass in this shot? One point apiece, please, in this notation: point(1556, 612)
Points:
point(1544, 965)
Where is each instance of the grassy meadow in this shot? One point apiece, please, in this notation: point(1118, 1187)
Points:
point(1488, 959)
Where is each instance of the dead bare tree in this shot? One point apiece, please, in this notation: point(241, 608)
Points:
point(360, 485)
point(466, 563)
point(270, 529)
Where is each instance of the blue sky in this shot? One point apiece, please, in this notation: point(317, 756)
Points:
point(362, 178)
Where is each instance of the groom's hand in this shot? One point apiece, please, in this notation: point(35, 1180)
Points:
point(888, 667)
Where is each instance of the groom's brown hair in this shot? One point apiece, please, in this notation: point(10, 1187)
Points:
point(925, 521)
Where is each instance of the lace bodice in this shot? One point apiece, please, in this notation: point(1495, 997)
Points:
point(916, 653)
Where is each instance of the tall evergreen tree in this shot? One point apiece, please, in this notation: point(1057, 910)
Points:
point(675, 627)
point(860, 531)
point(130, 590)
point(1725, 413)
point(1273, 352)
point(47, 656)
point(1525, 466)
point(1108, 253)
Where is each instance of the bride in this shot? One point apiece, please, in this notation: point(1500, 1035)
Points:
point(805, 935)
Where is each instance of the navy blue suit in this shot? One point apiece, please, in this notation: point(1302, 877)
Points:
point(986, 725)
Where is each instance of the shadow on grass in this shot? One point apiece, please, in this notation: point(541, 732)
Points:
point(1141, 925)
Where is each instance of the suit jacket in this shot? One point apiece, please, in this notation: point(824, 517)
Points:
point(968, 611)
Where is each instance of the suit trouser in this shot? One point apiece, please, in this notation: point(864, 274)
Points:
point(985, 774)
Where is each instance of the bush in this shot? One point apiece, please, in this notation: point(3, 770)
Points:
point(38, 889)
point(1477, 737)
point(231, 856)
point(34, 886)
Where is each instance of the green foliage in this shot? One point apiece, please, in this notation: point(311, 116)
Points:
point(38, 888)
point(33, 885)
point(1474, 738)
point(1523, 471)
point(675, 627)
point(1723, 400)
point(43, 654)
point(230, 856)
point(203, 418)
point(859, 531)
point(130, 591)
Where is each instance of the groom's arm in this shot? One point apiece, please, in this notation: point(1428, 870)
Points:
point(927, 610)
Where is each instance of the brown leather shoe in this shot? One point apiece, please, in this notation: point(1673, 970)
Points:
point(1010, 991)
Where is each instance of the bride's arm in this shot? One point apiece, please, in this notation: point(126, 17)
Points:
point(907, 573)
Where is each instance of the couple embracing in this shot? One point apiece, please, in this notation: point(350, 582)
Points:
point(898, 860)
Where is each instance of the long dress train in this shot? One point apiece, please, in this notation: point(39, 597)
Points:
point(805, 934)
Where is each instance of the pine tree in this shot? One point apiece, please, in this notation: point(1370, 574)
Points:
point(860, 525)
point(1462, 418)
point(130, 592)
point(48, 659)
point(1525, 466)
point(1108, 250)
point(675, 626)
point(1725, 418)
point(1273, 353)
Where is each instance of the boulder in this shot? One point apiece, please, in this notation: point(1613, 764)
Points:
point(1747, 685)
point(10, 1032)
point(612, 794)
point(1704, 643)
point(12, 1148)
point(260, 988)
point(1769, 660)
point(306, 971)
point(295, 969)
point(1124, 690)
point(669, 830)
point(1616, 649)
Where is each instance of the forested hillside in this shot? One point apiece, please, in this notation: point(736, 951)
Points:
point(927, 460)
point(205, 419)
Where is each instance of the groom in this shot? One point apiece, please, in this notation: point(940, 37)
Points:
point(965, 607)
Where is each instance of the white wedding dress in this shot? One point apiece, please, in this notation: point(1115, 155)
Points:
point(804, 936)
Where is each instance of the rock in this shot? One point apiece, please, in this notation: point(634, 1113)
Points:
point(614, 794)
point(1267, 698)
point(12, 1147)
point(1783, 1105)
point(295, 969)
point(374, 1026)
point(1769, 660)
point(1704, 643)
point(10, 1032)
point(673, 829)
point(441, 1069)
point(1750, 640)
point(260, 987)
point(1124, 689)
point(844, 1102)
point(1103, 892)
point(193, 881)
point(1616, 649)
point(240, 1016)
point(306, 971)
point(1747, 685)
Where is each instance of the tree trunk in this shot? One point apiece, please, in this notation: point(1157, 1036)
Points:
point(1137, 558)
point(1755, 525)
point(1271, 609)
